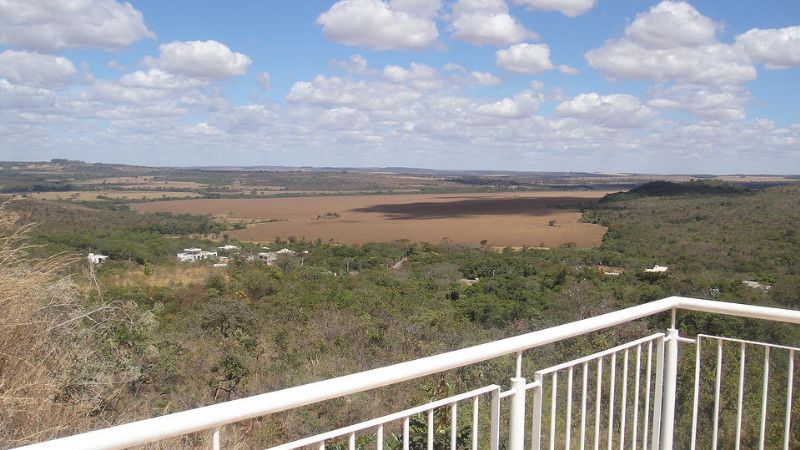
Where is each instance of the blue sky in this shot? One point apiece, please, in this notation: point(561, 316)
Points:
point(582, 85)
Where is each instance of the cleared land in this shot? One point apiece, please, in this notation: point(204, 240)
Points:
point(96, 195)
point(503, 219)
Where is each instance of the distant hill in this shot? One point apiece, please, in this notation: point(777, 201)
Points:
point(668, 189)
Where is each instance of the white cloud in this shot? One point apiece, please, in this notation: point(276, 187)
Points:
point(569, 8)
point(671, 24)
point(778, 48)
point(200, 59)
point(419, 76)
point(372, 95)
point(54, 25)
point(616, 110)
point(707, 103)
point(159, 79)
point(378, 25)
point(24, 97)
point(355, 64)
point(487, 22)
point(264, 79)
point(22, 67)
point(343, 119)
point(483, 78)
point(524, 104)
point(673, 41)
point(525, 58)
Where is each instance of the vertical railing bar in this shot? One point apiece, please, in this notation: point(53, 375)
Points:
point(553, 408)
point(611, 399)
point(453, 425)
point(475, 403)
point(406, 437)
point(584, 390)
point(655, 436)
point(762, 432)
point(321, 445)
point(624, 402)
point(789, 392)
point(215, 439)
point(519, 365)
point(379, 443)
point(352, 441)
point(494, 438)
point(740, 398)
point(718, 382)
point(696, 401)
point(636, 396)
point(430, 429)
point(536, 413)
point(568, 432)
point(648, 376)
point(598, 400)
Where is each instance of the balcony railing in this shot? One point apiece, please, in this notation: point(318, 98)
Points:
point(622, 397)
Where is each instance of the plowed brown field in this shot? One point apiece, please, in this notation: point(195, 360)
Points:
point(504, 219)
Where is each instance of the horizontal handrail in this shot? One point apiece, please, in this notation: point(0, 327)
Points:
point(214, 416)
point(598, 355)
point(388, 418)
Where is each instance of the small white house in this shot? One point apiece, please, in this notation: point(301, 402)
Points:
point(268, 257)
point(285, 251)
point(195, 254)
point(657, 269)
point(228, 248)
point(96, 258)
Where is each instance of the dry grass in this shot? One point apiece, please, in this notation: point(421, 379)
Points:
point(52, 379)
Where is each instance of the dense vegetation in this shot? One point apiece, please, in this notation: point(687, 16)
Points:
point(195, 335)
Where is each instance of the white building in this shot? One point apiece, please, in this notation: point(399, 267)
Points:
point(96, 258)
point(195, 254)
point(228, 248)
point(657, 269)
point(268, 257)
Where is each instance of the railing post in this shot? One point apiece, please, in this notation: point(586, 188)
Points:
point(494, 435)
point(670, 387)
point(516, 421)
point(536, 413)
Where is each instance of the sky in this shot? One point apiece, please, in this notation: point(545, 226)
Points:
point(538, 85)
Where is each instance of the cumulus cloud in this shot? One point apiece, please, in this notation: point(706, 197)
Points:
point(487, 22)
point(44, 25)
point(420, 76)
point(524, 104)
point(570, 8)
point(35, 69)
point(707, 103)
point(159, 79)
point(483, 78)
point(200, 59)
point(672, 41)
point(616, 110)
point(378, 25)
point(778, 48)
point(365, 95)
point(264, 79)
point(525, 58)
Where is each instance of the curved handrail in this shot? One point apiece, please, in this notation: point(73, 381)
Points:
point(214, 416)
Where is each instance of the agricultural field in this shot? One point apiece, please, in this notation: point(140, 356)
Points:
point(543, 219)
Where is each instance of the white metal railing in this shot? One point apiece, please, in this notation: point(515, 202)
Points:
point(765, 373)
point(660, 376)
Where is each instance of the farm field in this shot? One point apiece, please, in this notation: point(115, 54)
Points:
point(502, 219)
